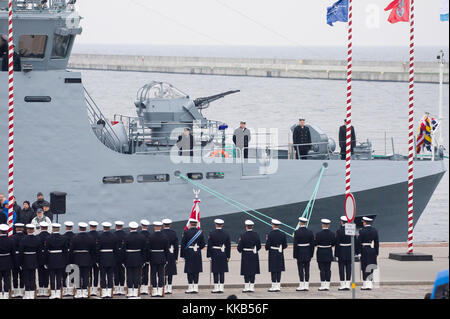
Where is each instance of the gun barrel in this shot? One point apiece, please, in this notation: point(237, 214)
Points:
point(201, 101)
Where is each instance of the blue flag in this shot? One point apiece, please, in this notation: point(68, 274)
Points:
point(337, 12)
point(444, 10)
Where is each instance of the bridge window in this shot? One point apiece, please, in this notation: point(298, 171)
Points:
point(195, 176)
point(215, 175)
point(152, 178)
point(118, 179)
point(32, 46)
point(36, 99)
point(61, 45)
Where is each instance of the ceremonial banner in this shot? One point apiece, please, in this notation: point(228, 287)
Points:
point(337, 12)
point(400, 11)
point(195, 213)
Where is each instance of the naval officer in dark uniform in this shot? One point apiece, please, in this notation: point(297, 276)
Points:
point(82, 253)
point(249, 244)
point(192, 254)
point(146, 268)
point(119, 269)
point(106, 250)
point(325, 240)
point(303, 252)
point(43, 273)
point(343, 253)
point(343, 140)
point(29, 250)
point(302, 140)
point(7, 252)
point(68, 235)
point(17, 274)
point(134, 249)
point(94, 274)
point(368, 248)
point(276, 243)
point(219, 250)
point(172, 258)
point(57, 253)
point(158, 251)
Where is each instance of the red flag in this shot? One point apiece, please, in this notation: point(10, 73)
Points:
point(195, 213)
point(400, 11)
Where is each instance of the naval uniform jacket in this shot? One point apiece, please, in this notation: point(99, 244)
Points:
point(30, 249)
point(302, 135)
point(248, 245)
point(241, 137)
point(325, 240)
point(368, 238)
point(171, 267)
point(192, 254)
point(107, 249)
point(120, 235)
point(219, 250)
point(276, 244)
point(158, 248)
point(43, 236)
point(69, 235)
point(146, 235)
point(17, 238)
point(303, 244)
point(82, 250)
point(134, 249)
point(343, 249)
point(7, 252)
point(57, 251)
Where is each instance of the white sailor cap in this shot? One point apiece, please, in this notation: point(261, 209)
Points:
point(133, 225)
point(68, 223)
point(43, 224)
point(367, 219)
point(344, 219)
point(243, 121)
point(325, 221)
point(4, 227)
point(93, 223)
point(56, 225)
point(82, 225)
point(106, 224)
point(219, 221)
point(276, 222)
point(193, 220)
point(30, 226)
point(157, 223)
point(119, 223)
point(167, 221)
point(249, 222)
point(145, 222)
point(303, 219)
point(19, 225)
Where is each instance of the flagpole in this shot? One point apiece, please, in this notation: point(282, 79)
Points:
point(411, 134)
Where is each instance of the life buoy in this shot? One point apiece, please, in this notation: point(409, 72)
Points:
point(217, 153)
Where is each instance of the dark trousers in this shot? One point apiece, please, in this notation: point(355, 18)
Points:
point(157, 274)
point(29, 276)
point(84, 277)
point(325, 271)
point(145, 270)
point(56, 278)
point(246, 152)
point(17, 278)
point(366, 271)
point(169, 279)
point(119, 275)
point(276, 276)
point(106, 274)
point(133, 277)
point(303, 270)
point(192, 278)
point(301, 151)
point(43, 277)
point(5, 279)
point(94, 278)
point(345, 270)
point(249, 279)
point(219, 277)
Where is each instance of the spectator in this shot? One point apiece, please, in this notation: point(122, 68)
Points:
point(39, 203)
point(5, 207)
point(17, 209)
point(47, 212)
point(40, 217)
point(27, 214)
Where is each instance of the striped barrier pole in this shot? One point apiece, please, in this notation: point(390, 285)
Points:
point(348, 140)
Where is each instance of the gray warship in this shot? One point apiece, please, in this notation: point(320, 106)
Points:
point(128, 168)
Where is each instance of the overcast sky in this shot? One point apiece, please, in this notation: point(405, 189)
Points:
point(251, 22)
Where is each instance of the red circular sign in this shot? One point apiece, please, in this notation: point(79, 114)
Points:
point(350, 207)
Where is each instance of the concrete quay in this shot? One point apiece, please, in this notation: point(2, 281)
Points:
point(427, 72)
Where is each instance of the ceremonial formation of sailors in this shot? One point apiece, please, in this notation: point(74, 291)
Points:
point(147, 261)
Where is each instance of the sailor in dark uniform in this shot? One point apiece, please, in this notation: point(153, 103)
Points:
point(172, 258)
point(302, 140)
point(219, 250)
point(119, 269)
point(191, 251)
point(107, 249)
point(303, 251)
point(82, 250)
point(369, 249)
point(145, 269)
point(17, 274)
point(68, 235)
point(276, 243)
point(158, 252)
point(7, 253)
point(94, 273)
point(343, 253)
point(57, 253)
point(43, 273)
point(249, 244)
point(343, 140)
point(325, 240)
point(134, 257)
point(29, 251)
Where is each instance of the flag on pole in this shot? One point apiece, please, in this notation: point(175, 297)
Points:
point(399, 11)
point(427, 127)
point(338, 12)
point(444, 10)
point(195, 212)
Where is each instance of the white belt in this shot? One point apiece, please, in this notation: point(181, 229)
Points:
point(106, 250)
point(221, 248)
point(371, 244)
point(157, 250)
point(81, 251)
point(171, 249)
point(133, 250)
point(4, 255)
point(280, 248)
point(194, 248)
point(17, 252)
point(319, 246)
point(302, 245)
point(29, 252)
point(251, 249)
point(55, 251)
point(345, 245)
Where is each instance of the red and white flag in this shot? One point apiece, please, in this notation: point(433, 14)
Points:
point(400, 11)
point(195, 212)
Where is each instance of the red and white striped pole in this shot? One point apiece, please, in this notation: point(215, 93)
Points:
point(348, 140)
point(11, 120)
point(411, 132)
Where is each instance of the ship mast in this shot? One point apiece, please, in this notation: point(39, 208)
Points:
point(441, 60)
